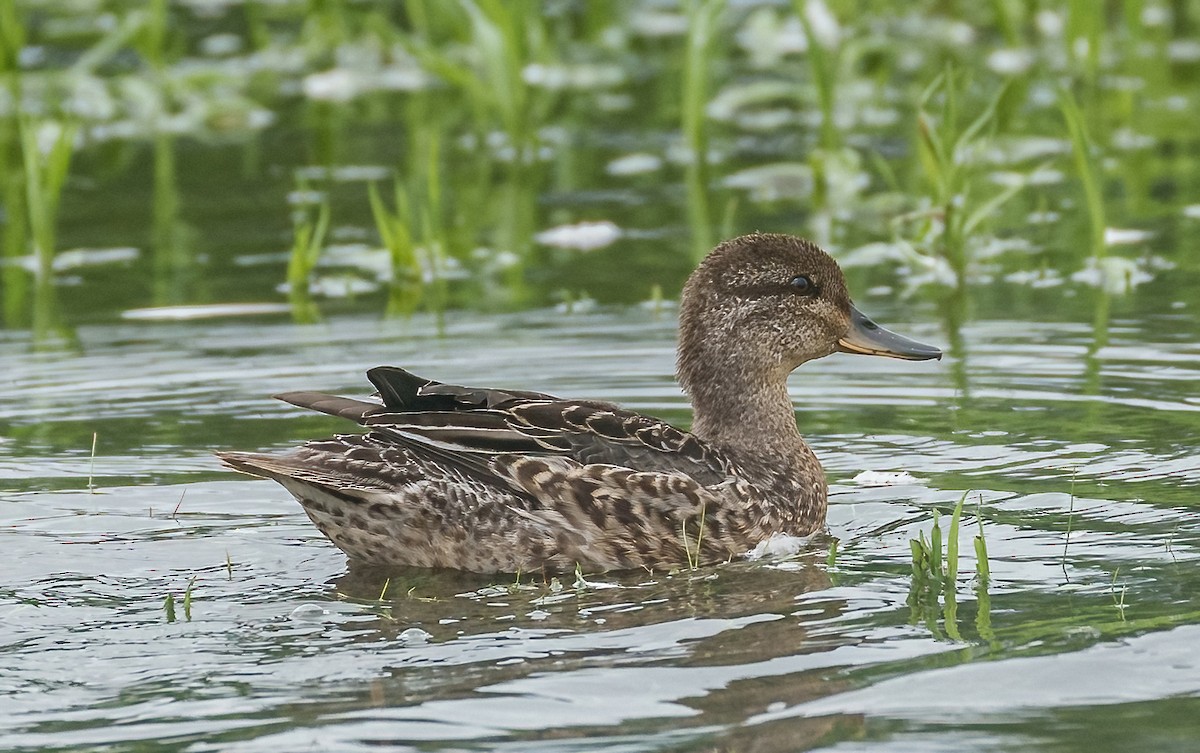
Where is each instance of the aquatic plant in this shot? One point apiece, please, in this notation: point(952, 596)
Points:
point(1084, 36)
point(983, 567)
point(703, 20)
point(1118, 597)
point(413, 228)
point(92, 464)
point(187, 599)
point(395, 233)
point(504, 38)
point(947, 153)
point(928, 559)
point(308, 240)
point(692, 550)
point(46, 149)
point(823, 70)
point(1081, 148)
point(12, 37)
point(935, 573)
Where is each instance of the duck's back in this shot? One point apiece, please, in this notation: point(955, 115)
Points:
point(505, 481)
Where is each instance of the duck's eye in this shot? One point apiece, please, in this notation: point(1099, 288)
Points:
point(803, 284)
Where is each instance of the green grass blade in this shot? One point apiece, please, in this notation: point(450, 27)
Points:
point(703, 16)
point(952, 542)
point(935, 547)
point(821, 64)
point(918, 557)
point(12, 36)
point(1081, 147)
point(986, 119)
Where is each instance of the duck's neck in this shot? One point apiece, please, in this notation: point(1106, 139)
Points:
point(744, 408)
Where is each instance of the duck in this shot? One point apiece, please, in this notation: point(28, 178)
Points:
point(510, 481)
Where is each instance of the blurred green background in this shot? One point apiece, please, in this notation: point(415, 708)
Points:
point(1036, 159)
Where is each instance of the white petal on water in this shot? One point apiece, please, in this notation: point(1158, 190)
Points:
point(734, 100)
point(375, 261)
point(1113, 273)
point(652, 23)
point(1157, 15)
point(782, 180)
point(990, 247)
point(1049, 23)
point(778, 545)
point(823, 23)
point(1184, 51)
point(341, 286)
point(885, 478)
point(1128, 140)
point(767, 39)
point(581, 76)
point(305, 198)
point(1010, 61)
point(336, 85)
point(344, 173)
point(1047, 278)
point(1123, 237)
point(1011, 150)
point(581, 305)
point(205, 311)
point(309, 613)
point(872, 254)
point(1046, 217)
point(637, 163)
point(86, 257)
point(1044, 177)
point(220, 45)
point(414, 637)
point(582, 236)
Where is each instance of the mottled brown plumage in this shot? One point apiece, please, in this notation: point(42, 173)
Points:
point(504, 481)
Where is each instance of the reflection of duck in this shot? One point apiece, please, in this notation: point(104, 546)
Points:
point(495, 480)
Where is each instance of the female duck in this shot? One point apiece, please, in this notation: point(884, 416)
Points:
point(492, 480)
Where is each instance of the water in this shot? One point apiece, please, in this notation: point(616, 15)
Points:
point(152, 600)
point(1076, 636)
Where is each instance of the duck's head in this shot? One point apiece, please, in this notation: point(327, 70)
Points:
point(762, 304)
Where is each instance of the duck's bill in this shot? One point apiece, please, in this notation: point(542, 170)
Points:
point(868, 338)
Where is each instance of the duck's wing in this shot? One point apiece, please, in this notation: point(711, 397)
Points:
point(592, 433)
point(498, 480)
point(466, 427)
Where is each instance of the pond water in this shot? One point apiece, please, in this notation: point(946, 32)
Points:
point(152, 600)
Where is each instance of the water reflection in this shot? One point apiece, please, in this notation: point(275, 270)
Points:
point(171, 239)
